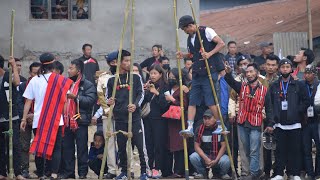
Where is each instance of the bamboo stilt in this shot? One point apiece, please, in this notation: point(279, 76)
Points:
point(10, 100)
point(129, 146)
point(214, 94)
point(185, 150)
point(109, 124)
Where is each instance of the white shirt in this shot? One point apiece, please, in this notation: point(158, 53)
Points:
point(210, 34)
point(36, 90)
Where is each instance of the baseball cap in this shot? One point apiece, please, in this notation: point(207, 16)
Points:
point(47, 58)
point(185, 20)
point(311, 69)
point(265, 44)
point(112, 56)
point(285, 61)
point(208, 113)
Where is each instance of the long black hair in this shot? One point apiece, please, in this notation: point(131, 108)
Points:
point(163, 80)
point(175, 73)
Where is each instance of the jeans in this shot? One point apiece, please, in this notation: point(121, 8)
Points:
point(309, 132)
point(250, 138)
point(222, 166)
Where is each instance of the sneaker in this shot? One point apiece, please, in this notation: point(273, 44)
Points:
point(226, 176)
point(200, 176)
point(156, 174)
point(277, 177)
point(25, 174)
point(187, 132)
point(295, 178)
point(122, 176)
point(149, 173)
point(144, 176)
point(109, 176)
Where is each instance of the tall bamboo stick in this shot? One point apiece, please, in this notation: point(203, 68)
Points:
point(129, 146)
point(10, 99)
point(185, 150)
point(109, 134)
point(214, 93)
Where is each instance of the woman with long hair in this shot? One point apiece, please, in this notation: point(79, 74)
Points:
point(156, 127)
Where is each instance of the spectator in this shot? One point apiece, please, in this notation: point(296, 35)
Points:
point(81, 97)
point(289, 102)
point(91, 65)
point(47, 120)
point(25, 136)
point(174, 125)
point(252, 93)
point(39, 9)
point(303, 58)
point(58, 67)
point(155, 59)
point(121, 111)
point(310, 129)
point(156, 127)
point(4, 121)
point(137, 69)
point(96, 153)
point(272, 65)
point(266, 48)
point(187, 64)
point(232, 56)
point(59, 9)
point(19, 66)
point(210, 149)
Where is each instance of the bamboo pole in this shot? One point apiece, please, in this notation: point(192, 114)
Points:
point(129, 146)
point(214, 94)
point(185, 150)
point(110, 114)
point(309, 25)
point(10, 99)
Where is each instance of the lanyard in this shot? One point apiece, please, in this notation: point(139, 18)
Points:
point(284, 89)
point(309, 91)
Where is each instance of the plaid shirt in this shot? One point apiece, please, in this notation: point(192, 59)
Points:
point(232, 62)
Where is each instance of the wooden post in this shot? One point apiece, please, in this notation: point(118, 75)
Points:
point(309, 25)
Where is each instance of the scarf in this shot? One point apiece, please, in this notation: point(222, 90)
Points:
point(52, 107)
point(215, 143)
point(72, 115)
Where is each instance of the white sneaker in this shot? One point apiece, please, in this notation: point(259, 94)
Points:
point(277, 177)
point(296, 178)
point(226, 176)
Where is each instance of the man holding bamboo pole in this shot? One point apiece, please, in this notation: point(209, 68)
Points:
point(200, 81)
point(4, 120)
point(121, 111)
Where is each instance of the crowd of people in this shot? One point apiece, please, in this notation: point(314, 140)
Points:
point(269, 106)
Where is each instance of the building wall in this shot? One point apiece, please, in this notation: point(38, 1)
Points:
point(153, 25)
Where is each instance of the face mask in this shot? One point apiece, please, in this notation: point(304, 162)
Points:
point(166, 66)
point(254, 80)
point(74, 78)
point(113, 69)
point(172, 82)
point(285, 75)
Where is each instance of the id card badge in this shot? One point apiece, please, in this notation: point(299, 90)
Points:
point(310, 112)
point(284, 105)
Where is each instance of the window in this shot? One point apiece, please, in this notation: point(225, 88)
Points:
point(60, 9)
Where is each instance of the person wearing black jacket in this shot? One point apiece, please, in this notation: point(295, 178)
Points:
point(91, 65)
point(4, 120)
point(121, 112)
point(83, 94)
point(310, 125)
point(290, 102)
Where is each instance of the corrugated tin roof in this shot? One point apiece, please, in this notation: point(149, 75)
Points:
point(256, 23)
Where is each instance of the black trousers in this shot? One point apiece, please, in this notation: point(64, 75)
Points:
point(137, 140)
point(25, 138)
point(80, 139)
point(50, 166)
point(4, 148)
point(95, 165)
point(156, 131)
point(309, 132)
point(288, 151)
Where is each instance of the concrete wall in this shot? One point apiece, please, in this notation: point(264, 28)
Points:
point(153, 25)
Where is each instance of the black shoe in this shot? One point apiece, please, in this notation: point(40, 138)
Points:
point(109, 176)
point(65, 176)
point(42, 177)
point(82, 177)
point(25, 174)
